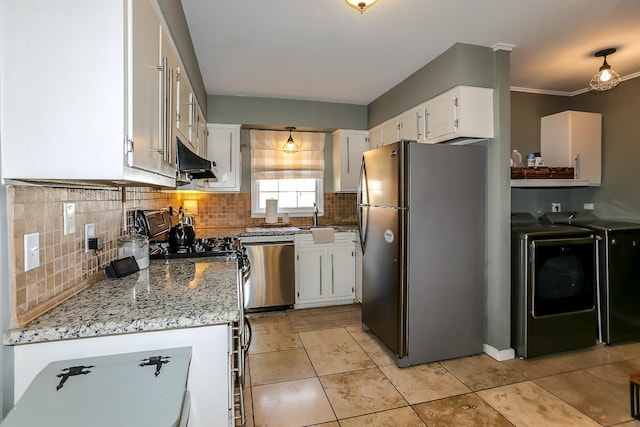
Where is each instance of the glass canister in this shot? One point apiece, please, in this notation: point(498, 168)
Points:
point(136, 246)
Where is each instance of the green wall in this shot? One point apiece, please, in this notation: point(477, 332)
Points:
point(461, 64)
point(617, 196)
point(279, 113)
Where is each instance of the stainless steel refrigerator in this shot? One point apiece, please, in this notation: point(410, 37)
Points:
point(421, 213)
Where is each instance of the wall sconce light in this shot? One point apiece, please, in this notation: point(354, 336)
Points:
point(361, 5)
point(606, 78)
point(290, 146)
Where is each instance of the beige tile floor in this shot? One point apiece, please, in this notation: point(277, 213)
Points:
point(344, 377)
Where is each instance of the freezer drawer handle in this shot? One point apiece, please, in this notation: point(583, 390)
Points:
point(156, 361)
point(71, 372)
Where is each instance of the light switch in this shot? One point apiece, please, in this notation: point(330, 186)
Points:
point(69, 220)
point(31, 251)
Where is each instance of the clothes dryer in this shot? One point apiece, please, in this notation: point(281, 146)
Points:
point(618, 255)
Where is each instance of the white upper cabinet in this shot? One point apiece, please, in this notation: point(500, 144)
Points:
point(223, 147)
point(202, 135)
point(348, 146)
point(375, 137)
point(462, 112)
point(88, 91)
point(170, 63)
point(573, 139)
point(409, 124)
point(183, 107)
point(390, 131)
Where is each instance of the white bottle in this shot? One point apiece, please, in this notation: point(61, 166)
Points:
point(516, 158)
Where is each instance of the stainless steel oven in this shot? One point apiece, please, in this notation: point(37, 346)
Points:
point(553, 288)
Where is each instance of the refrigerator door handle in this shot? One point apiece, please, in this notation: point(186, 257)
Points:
point(362, 215)
point(362, 196)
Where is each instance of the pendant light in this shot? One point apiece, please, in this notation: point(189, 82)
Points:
point(606, 78)
point(361, 5)
point(290, 146)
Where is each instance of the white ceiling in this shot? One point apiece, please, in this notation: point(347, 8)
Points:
point(324, 50)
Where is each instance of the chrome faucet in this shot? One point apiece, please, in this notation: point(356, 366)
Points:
point(315, 214)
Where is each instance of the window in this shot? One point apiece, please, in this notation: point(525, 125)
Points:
point(295, 196)
point(294, 179)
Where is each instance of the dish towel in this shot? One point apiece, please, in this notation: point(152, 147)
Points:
point(323, 235)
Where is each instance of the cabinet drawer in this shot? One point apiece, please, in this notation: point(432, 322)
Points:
point(305, 240)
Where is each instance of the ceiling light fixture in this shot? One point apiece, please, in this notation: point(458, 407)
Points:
point(361, 5)
point(606, 78)
point(290, 146)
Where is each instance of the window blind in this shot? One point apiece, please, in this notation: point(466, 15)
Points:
point(268, 161)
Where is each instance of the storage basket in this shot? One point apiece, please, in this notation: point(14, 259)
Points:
point(541, 172)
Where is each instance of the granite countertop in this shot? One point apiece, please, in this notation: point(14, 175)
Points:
point(283, 230)
point(172, 294)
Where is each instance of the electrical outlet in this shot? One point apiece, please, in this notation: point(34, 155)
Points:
point(556, 207)
point(589, 206)
point(89, 231)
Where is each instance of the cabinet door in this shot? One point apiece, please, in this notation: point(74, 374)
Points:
point(390, 132)
point(183, 106)
point(573, 139)
point(194, 125)
point(202, 135)
point(409, 125)
point(311, 275)
point(375, 137)
point(146, 81)
point(441, 117)
point(340, 272)
point(169, 62)
point(223, 147)
point(348, 147)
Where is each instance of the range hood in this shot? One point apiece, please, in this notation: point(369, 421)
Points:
point(196, 167)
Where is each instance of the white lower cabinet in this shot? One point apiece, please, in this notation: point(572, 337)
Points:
point(325, 272)
point(209, 382)
point(358, 269)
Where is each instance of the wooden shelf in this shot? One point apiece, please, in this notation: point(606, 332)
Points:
point(529, 183)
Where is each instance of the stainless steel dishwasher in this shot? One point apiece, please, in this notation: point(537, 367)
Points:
point(270, 283)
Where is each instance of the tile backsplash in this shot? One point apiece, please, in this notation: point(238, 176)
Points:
point(65, 268)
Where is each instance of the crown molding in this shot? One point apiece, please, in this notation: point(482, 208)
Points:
point(563, 93)
point(503, 46)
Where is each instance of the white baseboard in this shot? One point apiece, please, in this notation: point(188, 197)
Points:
point(499, 355)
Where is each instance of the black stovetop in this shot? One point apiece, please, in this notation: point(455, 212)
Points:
point(207, 247)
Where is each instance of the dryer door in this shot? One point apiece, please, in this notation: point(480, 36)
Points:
point(563, 276)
